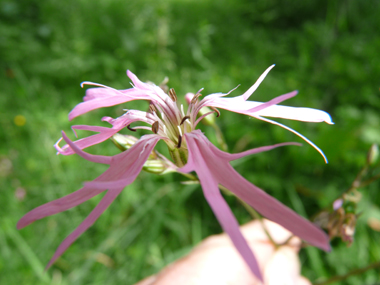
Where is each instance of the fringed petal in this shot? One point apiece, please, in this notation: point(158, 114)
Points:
point(213, 168)
point(99, 98)
point(123, 170)
point(88, 222)
point(104, 132)
point(57, 206)
point(219, 206)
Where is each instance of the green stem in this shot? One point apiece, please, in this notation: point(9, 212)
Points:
point(345, 276)
point(369, 181)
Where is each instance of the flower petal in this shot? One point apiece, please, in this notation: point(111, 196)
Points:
point(126, 165)
point(123, 170)
point(203, 158)
point(105, 96)
point(258, 109)
point(296, 113)
point(269, 109)
point(104, 132)
point(57, 206)
point(253, 88)
point(85, 155)
point(101, 97)
point(297, 133)
point(219, 206)
point(272, 209)
point(88, 222)
point(233, 156)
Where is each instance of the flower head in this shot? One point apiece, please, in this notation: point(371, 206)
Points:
point(190, 151)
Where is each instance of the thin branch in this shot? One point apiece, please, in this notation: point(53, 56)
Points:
point(352, 273)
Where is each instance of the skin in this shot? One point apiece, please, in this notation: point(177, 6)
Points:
point(216, 261)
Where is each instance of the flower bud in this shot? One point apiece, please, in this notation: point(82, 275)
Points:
point(156, 163)
point(123, 142)
point(373, 154)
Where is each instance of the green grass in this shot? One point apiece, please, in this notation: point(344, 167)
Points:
point(328, 50)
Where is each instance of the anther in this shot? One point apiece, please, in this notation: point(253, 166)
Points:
point(216, 111)
point(195, 98)
point(152, 108)
point(172, 94)
point(179, 141)
point(155, 127)
point(129, 128)
point(184, 119)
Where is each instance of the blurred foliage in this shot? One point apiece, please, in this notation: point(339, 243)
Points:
point(328, 50)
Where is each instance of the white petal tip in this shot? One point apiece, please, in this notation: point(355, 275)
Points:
point(328, 119)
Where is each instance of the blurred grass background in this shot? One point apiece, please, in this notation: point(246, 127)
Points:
point(328, 50)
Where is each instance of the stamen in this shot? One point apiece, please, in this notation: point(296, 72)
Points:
point(155, 127)
point(216, 111)
point(183, 113)
point(179, 128)
point(163, 116)
point(152, 108)
point(196, 96)
point(179, 141)
point(199, 92)
point(195, 99)
point(129, 128)
point(172, 94)
point(184, 119)
point(165, 130)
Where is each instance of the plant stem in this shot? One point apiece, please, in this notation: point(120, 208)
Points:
point(352, 273)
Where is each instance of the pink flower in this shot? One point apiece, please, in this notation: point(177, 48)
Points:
point(190, 151)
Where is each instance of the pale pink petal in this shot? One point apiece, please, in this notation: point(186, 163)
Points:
point(297, 133)
point(151, 91)
point(57, 206)
point(257, 110)
point(271, 208)
point(85, 155)
point(296, 113)
point(269, 109)
point(105, 96)
point(253, 88)
point(233, 156)
point(273, 102)
point(88, 222)
point(124, 166)
point(105, 133)
point(98, 98)
point(137, 82)
point(123, 170)
point(221, 172)
point(219, 205)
